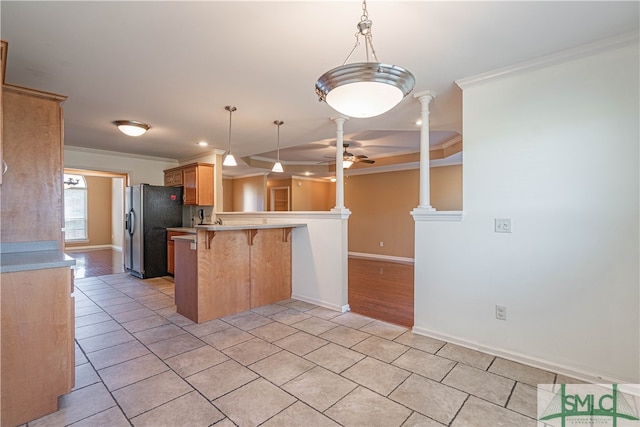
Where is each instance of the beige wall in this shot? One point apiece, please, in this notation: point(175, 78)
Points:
point(249, 194)
point(381, 203)
point(98, 212)
point(311, 195)
point(446, 188)
point(227, 194)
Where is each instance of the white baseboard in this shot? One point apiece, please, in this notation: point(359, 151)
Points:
point(92, 248)
point(589, 377)
point(382, 257)
point(341, 309)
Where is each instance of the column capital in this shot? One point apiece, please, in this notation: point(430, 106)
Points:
point(339, 119)
point(425, 96)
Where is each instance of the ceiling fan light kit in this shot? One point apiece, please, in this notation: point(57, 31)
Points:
point(229, 160)
point(364, 89)
point(131, 127)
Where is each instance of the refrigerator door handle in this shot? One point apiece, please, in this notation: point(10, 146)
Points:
point(132, 221)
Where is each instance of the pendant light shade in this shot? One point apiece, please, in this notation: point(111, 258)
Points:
point(229, 160)
point(364, 89)
point(277, 166)
point(131, 127)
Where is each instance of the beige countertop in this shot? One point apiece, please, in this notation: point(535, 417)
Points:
point(183, 229)
point(188, 237)
point(230, 227)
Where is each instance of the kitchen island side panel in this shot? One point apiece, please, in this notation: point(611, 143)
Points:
point(186, 279)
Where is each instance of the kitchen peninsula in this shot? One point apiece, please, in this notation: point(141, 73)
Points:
point(227, 269)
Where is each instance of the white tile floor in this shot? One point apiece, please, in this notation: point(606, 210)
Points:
point(140, 363)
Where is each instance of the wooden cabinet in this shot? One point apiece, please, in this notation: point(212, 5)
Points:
point(3, 66)
point(173, 178)
point(171, 249)
point(197, 180)
point(36, 308)
point(32, 148)
point(38, 354)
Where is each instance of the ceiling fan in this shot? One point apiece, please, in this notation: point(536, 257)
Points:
point(349, 157)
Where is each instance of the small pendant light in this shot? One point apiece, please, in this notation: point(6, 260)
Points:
point(277, 166)
point(229, 160)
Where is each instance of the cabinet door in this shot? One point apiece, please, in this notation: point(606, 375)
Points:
point(32, 148)
point(190, 181)
point(38, 355)
point(3, 63)
point(173, 178)
point(205, 185)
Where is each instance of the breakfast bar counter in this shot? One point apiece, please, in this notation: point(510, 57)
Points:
point(227, 269)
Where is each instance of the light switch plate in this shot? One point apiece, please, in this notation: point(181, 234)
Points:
point(502, 225)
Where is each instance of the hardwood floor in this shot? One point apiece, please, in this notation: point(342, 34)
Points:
point(93, 263)
point(382, 290)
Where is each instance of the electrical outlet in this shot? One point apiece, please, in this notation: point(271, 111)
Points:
point(381, 244)
point(501, 312)
point(502, 225)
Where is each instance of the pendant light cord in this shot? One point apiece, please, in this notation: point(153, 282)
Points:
point(230, 109)
point(278, 122)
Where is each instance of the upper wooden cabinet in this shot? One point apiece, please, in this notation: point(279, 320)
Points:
point(32, 149)
point(197, 180)
point(3, 67)
point(173, 178)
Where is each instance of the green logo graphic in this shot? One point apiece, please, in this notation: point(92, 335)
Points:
point(589, 408)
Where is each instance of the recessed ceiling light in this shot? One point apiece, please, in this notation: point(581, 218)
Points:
point(308, 173)
point(333, 179)
point(203, 143)
point(131, 127)
point(419, 122)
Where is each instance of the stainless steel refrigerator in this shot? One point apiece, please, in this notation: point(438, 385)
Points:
point(149, 211)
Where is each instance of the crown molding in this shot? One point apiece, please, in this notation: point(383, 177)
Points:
point(118, 154)
point(616, 42)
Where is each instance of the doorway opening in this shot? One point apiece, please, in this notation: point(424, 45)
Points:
point(280, 199)
point(100, 251)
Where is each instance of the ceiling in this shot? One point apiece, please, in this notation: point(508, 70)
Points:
point(175, 65)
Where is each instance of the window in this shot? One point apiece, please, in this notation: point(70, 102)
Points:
point(75, 207)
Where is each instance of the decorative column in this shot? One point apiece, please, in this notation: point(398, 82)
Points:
point(339, 170)
point(425, 98)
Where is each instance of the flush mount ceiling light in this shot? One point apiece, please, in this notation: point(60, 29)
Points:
point(229, 160)
point(277, 166)
point(131, 127)
point(364, 89)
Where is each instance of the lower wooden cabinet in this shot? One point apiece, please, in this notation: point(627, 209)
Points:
point(38, 352)
point(171, 257)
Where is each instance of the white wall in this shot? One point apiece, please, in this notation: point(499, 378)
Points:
point(318, 253)
point(147, 170)
point(556, 150)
